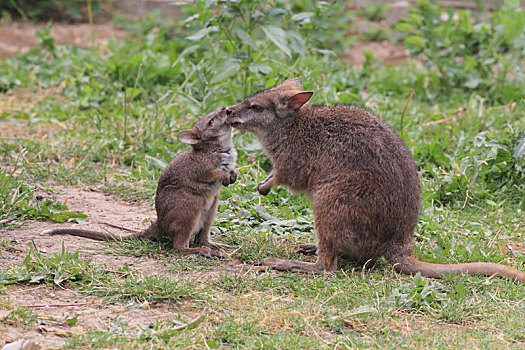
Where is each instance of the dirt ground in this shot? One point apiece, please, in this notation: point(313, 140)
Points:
point(51, 303)
point(19, 37)
point(100, 208)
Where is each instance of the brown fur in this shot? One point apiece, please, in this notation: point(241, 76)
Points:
point(188, 190)
point(359, 174)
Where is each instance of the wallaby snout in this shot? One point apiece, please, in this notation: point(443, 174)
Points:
point(234, 116)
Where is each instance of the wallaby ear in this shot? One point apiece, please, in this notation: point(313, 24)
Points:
point(299, 99)
point(188, 137)
point(292, 84)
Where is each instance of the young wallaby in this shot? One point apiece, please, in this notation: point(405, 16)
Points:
point(358, 173)
point(188, 189)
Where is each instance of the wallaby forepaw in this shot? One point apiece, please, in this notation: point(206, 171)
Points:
point(233, 177)
point(263, 189)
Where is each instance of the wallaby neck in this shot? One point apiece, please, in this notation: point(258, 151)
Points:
point(208, 146)
point(226, 143)
point(284, 133)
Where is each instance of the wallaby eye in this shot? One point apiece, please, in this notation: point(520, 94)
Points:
point(211, 121)
point(256, 108)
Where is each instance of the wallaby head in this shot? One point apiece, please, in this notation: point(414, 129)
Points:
point(211, 128)
point(268, 107)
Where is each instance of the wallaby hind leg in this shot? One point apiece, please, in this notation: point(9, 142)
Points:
point(182, 228)
point(323, 264)
point(151, 233)
point(203, 236)
point(326, 258)
point(181, 244)
point(204, 251)
point(326, 262)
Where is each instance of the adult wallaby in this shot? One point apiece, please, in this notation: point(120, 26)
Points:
point(188, 190)
point(359, 174)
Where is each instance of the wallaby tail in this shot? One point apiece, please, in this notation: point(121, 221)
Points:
point(99, 236)
point(410, 265)
point(149, 233)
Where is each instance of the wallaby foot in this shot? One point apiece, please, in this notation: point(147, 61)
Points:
point(204, 251)
point(307, 249)
point(217, 246)
point(295, 266)
point(233, 176)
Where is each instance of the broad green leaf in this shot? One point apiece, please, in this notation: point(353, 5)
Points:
point(404, 27)
point(278, 37)
point(464, 21)
point(415, 42)
point(184, 53)
point(296, 42)
point(72, 320)
point(260, 68)
point(470, 64)
point(473, 82)
point(132, 93)
point(228, 71)
point(417, 279)
point(45, 211)
point(519, 149)
point(202, 33)
point(244, 37)
point(414, 19)
point(303, 17)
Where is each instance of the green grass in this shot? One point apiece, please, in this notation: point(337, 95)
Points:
point(110, 118)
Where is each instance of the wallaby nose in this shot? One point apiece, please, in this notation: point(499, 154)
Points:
point(229, 111)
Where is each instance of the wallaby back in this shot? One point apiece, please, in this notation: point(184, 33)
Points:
point(358, 172)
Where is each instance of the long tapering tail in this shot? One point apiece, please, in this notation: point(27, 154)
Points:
point(99, 236)
point(152, 233)
point(410, 265)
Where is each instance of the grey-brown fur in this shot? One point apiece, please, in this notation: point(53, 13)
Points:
point(188, 189)
point(358, 172)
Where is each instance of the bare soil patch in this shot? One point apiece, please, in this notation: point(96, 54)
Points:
point(19, 37)
point(53, 306)
point(100, 207)
point(50, 303)
point(385, 52)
